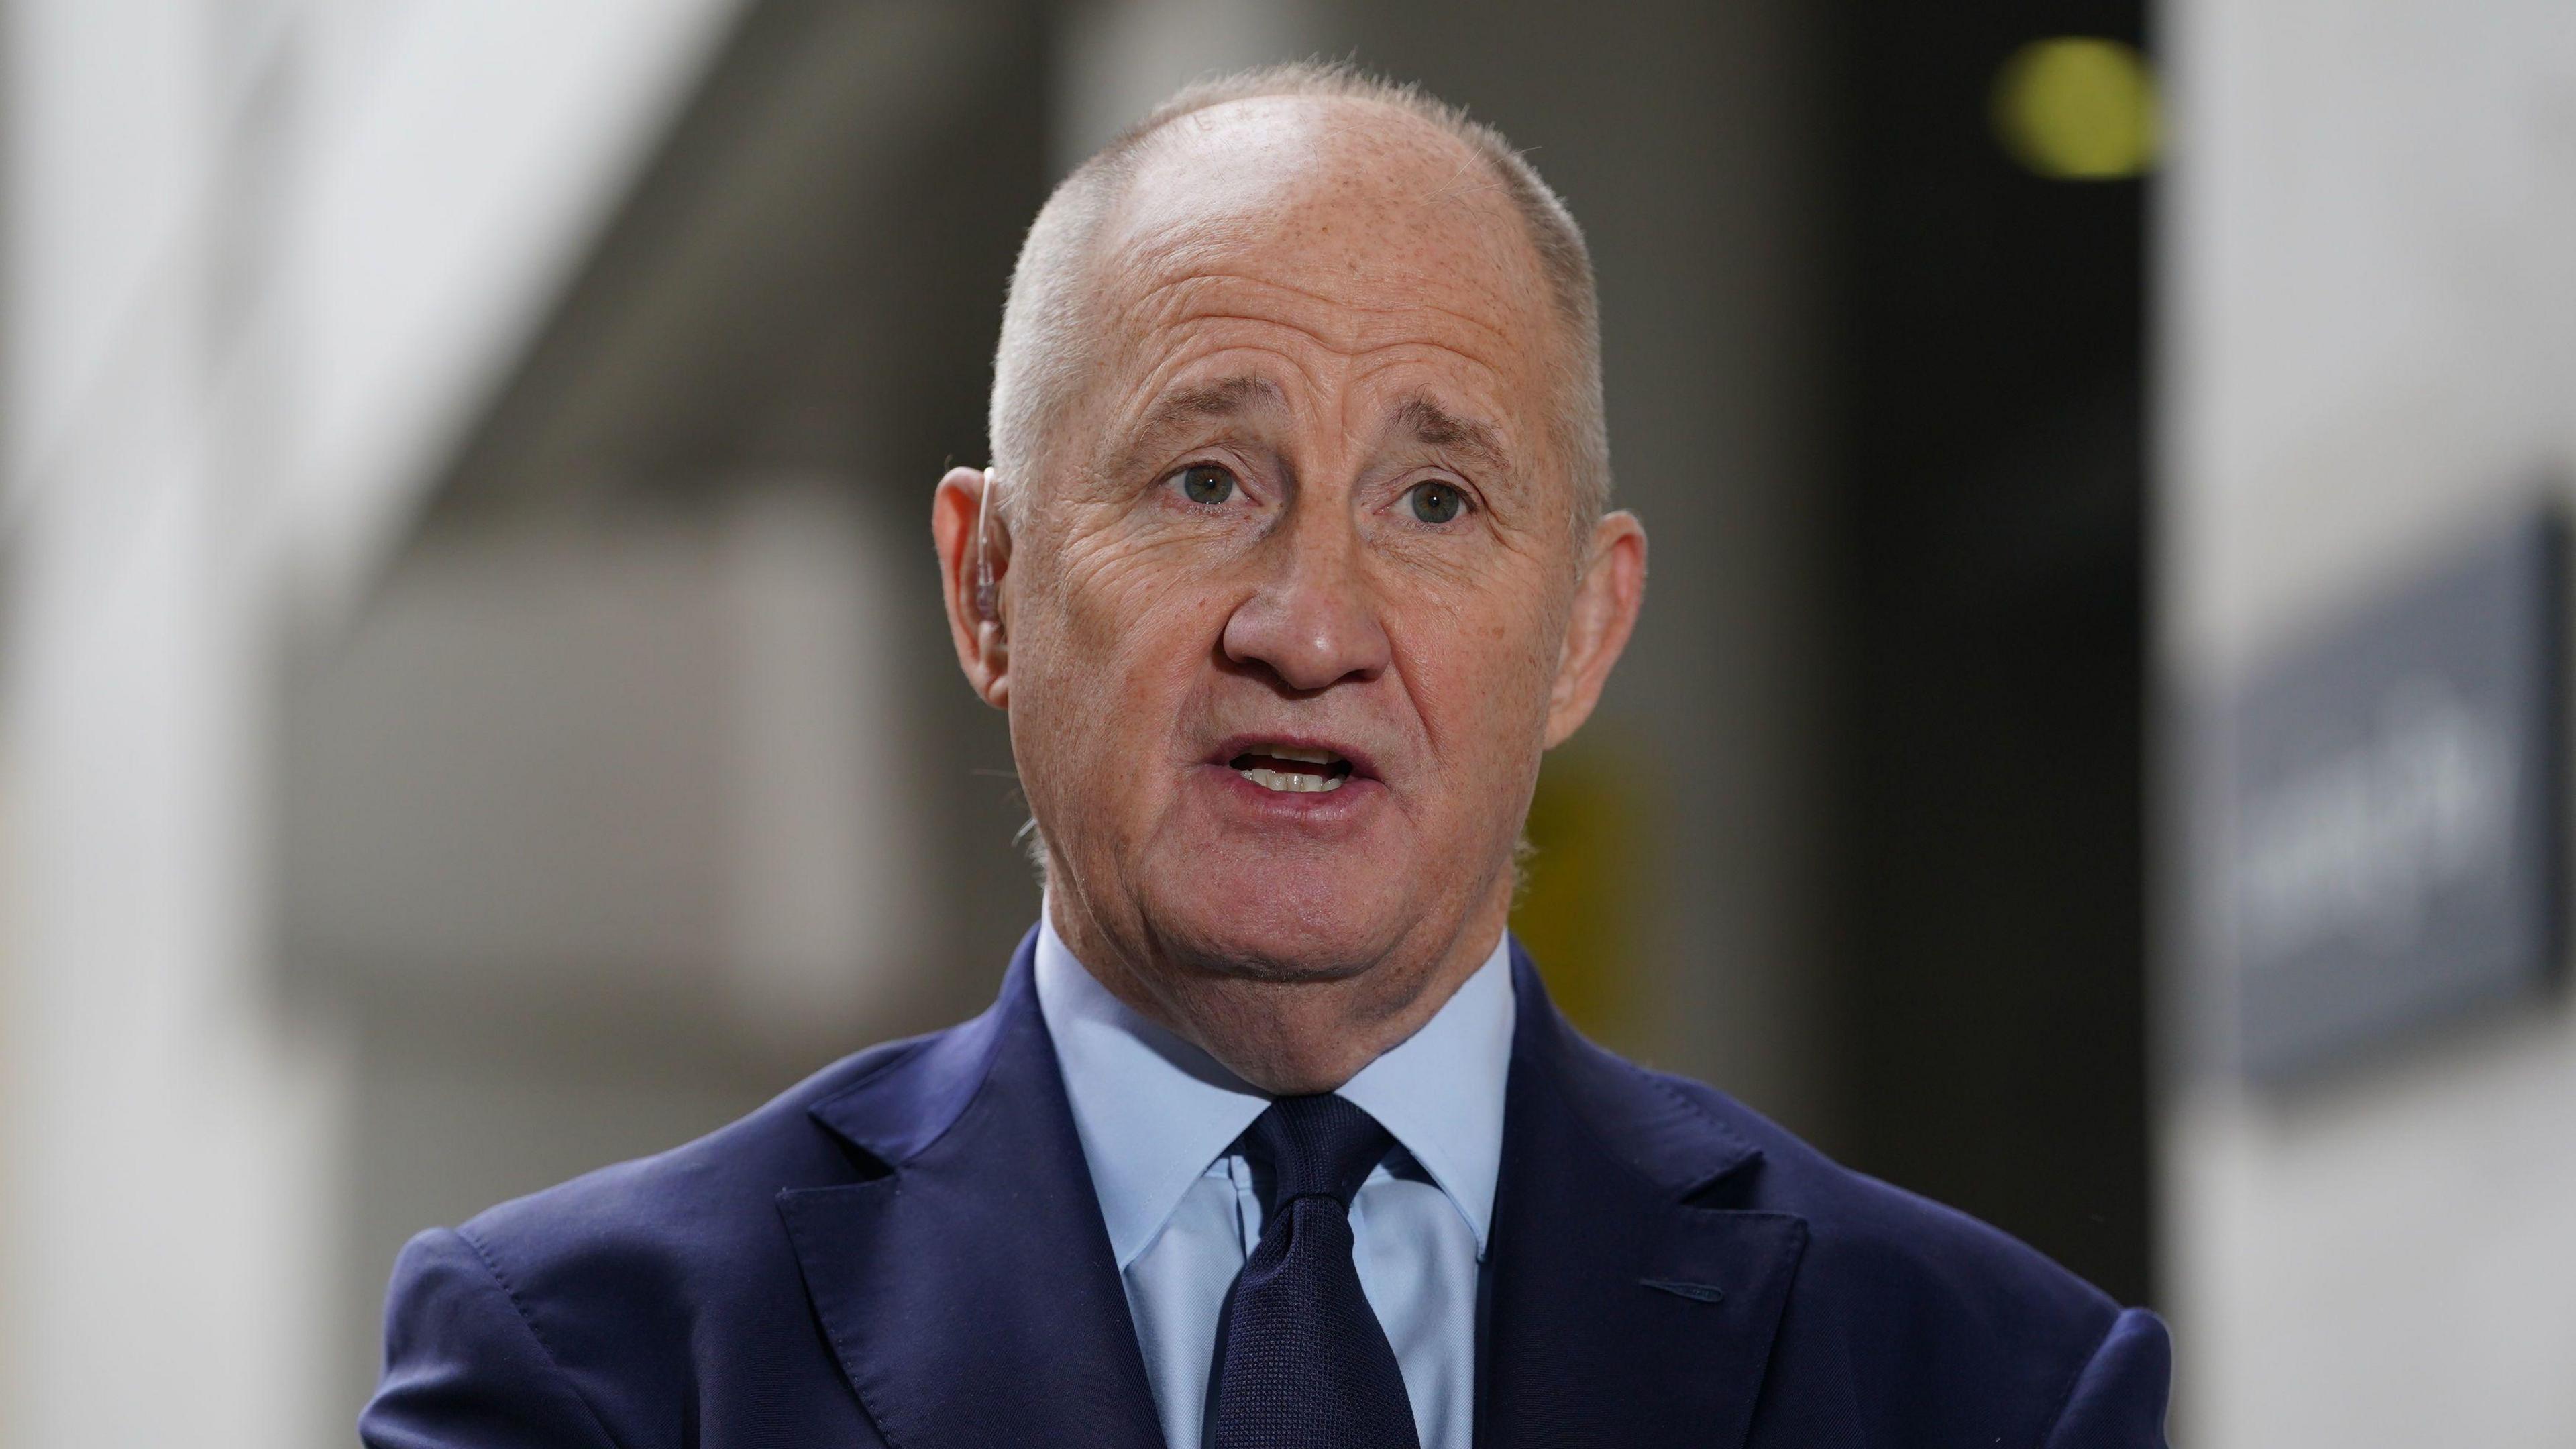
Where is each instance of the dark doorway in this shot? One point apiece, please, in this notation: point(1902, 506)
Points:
point(1987, 889)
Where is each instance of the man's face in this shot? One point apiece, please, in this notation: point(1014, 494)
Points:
point(1289, 606)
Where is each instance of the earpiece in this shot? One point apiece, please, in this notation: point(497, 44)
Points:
point(987, 597)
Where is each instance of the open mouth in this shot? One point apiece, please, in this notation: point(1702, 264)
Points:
point(1292, 768)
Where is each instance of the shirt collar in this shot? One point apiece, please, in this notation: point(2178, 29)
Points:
point(1154, 1111)
point(1440, 1090)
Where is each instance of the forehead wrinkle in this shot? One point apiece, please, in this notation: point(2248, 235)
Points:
point(1538, 357)
point(1362, 359)
point(1192, 347)
point(1385, 326)
point(1183, 298)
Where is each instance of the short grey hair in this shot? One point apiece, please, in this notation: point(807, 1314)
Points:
point(1046, 332)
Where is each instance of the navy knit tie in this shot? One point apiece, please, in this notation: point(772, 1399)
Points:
point(1303, 1363)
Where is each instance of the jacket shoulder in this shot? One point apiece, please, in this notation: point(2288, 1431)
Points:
point(582, 1314)
point(1905, 1313)
point(1916, 1251)
point(688, 1201)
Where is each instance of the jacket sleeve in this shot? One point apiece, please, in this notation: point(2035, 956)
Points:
point(464, 1368)
point(2118, 1399)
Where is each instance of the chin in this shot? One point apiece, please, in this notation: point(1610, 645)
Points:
point(1287, 929)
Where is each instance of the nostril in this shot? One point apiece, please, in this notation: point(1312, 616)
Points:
point(1308, 639)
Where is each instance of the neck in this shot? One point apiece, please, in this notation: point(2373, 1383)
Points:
point(1288, 1036)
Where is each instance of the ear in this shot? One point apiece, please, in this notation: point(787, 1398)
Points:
point(974, 560)
point(1606, 600)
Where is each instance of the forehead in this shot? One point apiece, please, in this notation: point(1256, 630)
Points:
point(1355, 221)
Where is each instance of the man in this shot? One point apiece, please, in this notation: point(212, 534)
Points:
point(1293, 561)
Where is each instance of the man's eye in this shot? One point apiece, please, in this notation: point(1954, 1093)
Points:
point(1206, 483)
point(1437, 502)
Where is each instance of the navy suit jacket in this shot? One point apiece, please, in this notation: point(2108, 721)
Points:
point(906, 1251)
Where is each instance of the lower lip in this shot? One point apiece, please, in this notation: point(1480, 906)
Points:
point(1345, 801)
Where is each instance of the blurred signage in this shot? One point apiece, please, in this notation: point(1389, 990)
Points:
point(2392, 810)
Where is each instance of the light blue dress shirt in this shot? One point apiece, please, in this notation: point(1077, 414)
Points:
point(1157, 1117)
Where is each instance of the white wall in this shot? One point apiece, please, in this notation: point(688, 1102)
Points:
point(2368, 352)
point(649, 765)
point(456, 161)
point(252, 254)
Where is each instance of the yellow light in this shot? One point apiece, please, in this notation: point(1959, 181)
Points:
point(2077, 108)
point(1592, 833)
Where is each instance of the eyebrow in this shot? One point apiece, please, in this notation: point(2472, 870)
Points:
point(1425, 421)
point(1434, 426)
point(1225, 398)
point(1176, 410)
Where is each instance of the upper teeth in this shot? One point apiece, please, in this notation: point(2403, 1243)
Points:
point(1281, 780)
point(1300, 781)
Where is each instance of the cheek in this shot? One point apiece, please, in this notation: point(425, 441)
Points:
point(1139, 616)
point(1481, 674)
point(1125, 627)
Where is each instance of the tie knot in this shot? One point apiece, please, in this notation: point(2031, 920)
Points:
point(1320, 1146)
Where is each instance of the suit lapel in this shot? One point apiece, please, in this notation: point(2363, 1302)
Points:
point(967, 1286)
point(966, 1282)
point(1619, 1310)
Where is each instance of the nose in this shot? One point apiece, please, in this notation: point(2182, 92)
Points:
point(1314, 621)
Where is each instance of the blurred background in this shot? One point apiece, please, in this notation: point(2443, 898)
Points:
point(474, 704)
